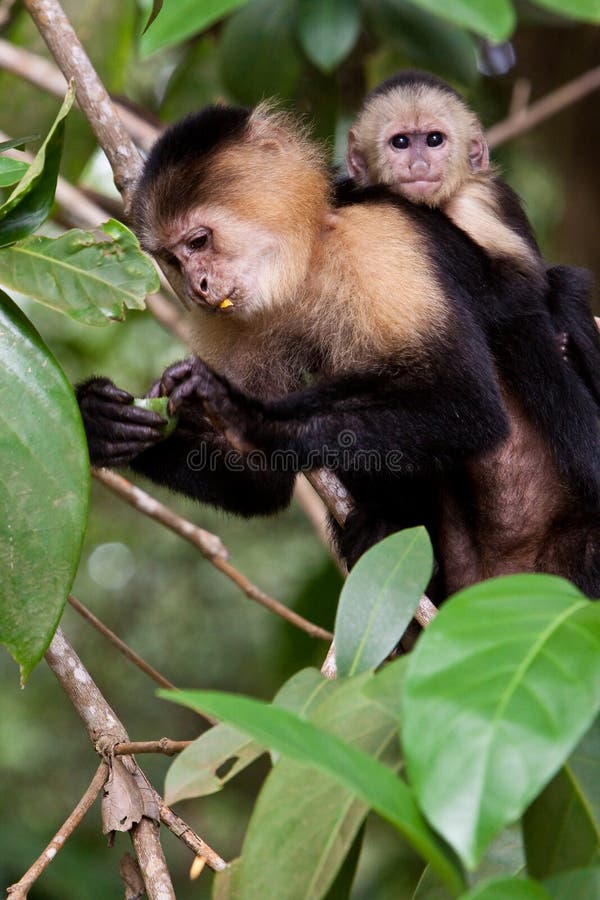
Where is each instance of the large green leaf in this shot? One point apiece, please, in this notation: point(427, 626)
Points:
point(588, 10)
point(579, 884)
point(560, 832)
point(180, 19)
point(328, 30)
point(31, 201)
point(309, 816)
point(379, 598)
point(370, 781)
point(91, 276)
point(44, 486)
point(507, 889)
point(492, 19)
point(258, 55)
point(499, 689)
point(223, 752)
point(560, 829)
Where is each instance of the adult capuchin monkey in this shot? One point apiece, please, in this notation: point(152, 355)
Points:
point(392, 311)
point(417, 135)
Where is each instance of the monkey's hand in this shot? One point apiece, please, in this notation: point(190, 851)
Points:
point(190, 381)
point(117, 432)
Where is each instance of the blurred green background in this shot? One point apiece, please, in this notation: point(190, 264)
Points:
point(148, 585)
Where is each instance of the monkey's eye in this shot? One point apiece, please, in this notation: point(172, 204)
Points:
point(399, 141)
point(435, 139)
point(198, 243)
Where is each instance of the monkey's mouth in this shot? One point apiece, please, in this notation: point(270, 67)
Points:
point(421, 185)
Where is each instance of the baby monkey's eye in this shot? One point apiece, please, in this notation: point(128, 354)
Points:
point(399, 141)
point(435, 139)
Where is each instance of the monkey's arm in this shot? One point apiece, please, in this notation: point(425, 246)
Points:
point(195, 460)
point(429, 422)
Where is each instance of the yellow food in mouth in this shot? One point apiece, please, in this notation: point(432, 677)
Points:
point(225, 304)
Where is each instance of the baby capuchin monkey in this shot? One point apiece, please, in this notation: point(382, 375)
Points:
point(436, 397)
point(416, 135)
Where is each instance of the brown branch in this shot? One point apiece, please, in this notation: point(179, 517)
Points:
point(191, 840)
point(121, 646)
point(92, 96)
point(543, 109)
point(105, 730)
point(164, 745)
point(45, 75)
point(20, 889)
point(208, 544)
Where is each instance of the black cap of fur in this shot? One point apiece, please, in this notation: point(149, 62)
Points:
point(197, 135)
point(412, 78)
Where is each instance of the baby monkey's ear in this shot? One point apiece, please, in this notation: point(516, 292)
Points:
point(356, 163)
point(479, 154)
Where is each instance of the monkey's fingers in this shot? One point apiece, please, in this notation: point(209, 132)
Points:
point(178, 372)
point(103, 388)
point(116, 456)
point(123, 432)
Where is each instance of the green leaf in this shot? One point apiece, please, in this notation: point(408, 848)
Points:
point(560, 829)
point(507, 889)
point(180, 19)
point(579, 884)
point(11, 171)
point(328, 30)
point(368, 779)
point(494, 19)
point(379, 598)
point(308, 815)
point(157, 5)
point(18, 143)
point(499, 689)
point(31, 201)
point(258, 55)
point(223, 752)
point(385, 688)
point(560, 832)
point(90, 276)
point(584, 763)
point(588, 10)
point(44, 487)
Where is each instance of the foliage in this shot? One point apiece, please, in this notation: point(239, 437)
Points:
point(44, 490)
point(480, 727)
point(497, 694)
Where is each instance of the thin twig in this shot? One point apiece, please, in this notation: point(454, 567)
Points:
point(45, 75)
point(165, 745)
point(544, 108)
point(208, 544)
point(20, 889)
point(120, 644)
point(92, 96)
point(188, 836)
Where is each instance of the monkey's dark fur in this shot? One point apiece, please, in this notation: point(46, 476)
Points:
point(438, 428)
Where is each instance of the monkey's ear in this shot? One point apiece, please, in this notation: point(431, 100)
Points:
point(479, 154)
point(355, 161)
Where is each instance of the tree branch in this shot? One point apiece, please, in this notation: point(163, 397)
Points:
point(105, 730)
point(164, 745)
point(530, 116)
point(20, 889)
point(92, 96)
point(121, 646)
point(208, 544)
point(45, 75)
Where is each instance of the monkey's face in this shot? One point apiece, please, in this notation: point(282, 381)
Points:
point(420, 142)
point(219, 261)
